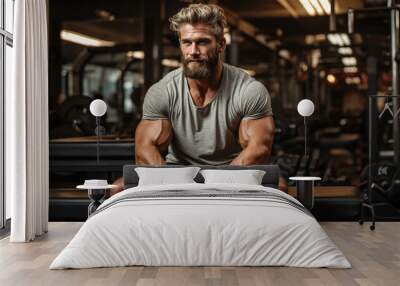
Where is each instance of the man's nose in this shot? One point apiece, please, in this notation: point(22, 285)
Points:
point(194, 49)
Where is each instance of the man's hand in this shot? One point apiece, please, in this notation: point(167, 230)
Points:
point(282, 185)
point(119, 186)
point(255, 137)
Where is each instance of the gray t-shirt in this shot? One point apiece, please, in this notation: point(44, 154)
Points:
point(206, 135)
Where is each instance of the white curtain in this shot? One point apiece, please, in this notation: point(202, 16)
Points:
point(27, 123)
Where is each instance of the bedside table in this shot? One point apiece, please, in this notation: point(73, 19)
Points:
point(305, 190)
point(96, 192)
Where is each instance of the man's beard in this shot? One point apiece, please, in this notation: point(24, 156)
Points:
point(201, 68)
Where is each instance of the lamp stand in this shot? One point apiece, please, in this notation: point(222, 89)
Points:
point(305, 136)
point(98, 139)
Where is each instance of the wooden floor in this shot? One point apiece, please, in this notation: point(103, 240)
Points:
point(375, 256)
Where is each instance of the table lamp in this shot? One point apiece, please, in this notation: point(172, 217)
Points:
point(98, 108)
point(305, 108)
point(305, 184)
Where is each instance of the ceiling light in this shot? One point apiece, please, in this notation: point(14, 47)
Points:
point(335, 39)
point(332, 39)
point(331, 78)
point(349, 61)
point(350, 69)
point(84, 40)
point(339, 39)
point(308, 7)
point(320, 37)
point(314, 39)
point(326, 5)
point(317, 7)
point(135, 54)
point(289, 8)
point(353, 80)
point(345, 39)
point(345, 51)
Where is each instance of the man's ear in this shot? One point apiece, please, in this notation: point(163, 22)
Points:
point(222, 45)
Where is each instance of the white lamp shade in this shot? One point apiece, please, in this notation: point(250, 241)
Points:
point(98, 107)
point(305, 107)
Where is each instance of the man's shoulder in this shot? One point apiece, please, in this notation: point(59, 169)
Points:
point(172, 78)
point(168, 85)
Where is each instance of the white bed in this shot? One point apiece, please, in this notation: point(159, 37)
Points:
point(201, 224)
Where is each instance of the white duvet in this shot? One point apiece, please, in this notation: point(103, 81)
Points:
point(207, 230)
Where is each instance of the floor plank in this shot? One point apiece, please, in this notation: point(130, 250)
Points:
point(375, 257)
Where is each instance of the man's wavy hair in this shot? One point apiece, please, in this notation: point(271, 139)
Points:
point(209, 14)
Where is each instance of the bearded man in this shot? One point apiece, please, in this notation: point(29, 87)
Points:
point(206, 112)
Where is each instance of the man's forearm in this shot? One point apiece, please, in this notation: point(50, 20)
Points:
point(252, 155)
point(148, 155)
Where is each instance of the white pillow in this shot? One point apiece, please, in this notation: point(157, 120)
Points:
point(248, 177)
point(165, 176)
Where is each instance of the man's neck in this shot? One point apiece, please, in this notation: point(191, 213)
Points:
point(201, 87)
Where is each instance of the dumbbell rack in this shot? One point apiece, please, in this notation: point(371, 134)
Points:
point(367, 201)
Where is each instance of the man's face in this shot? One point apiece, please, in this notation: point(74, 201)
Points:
point(200, 50)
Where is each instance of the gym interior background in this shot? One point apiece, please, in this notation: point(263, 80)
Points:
point(342, 56)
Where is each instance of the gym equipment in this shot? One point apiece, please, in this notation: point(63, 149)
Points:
point(284, 131)
point(118, 120)
point(381, 177)
point(73, 118)
point(288, 164)
point(385, 180)
point(314, 162)
point(303, 166)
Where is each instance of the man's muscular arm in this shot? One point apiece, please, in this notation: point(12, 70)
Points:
point(152, 137)
point(255, 137)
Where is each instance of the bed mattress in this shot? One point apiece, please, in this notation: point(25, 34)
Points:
point(201, 225)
